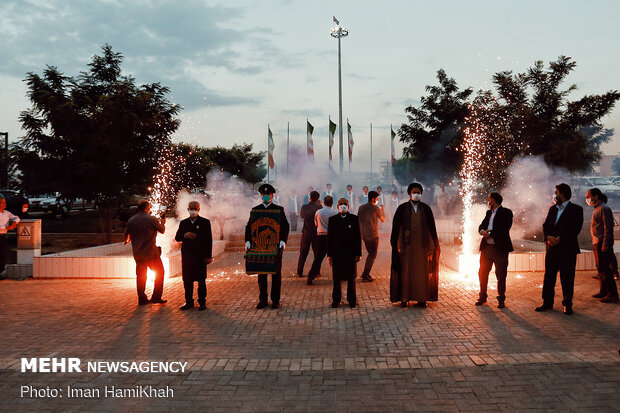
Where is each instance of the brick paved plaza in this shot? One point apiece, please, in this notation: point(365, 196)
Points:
point(308, 357)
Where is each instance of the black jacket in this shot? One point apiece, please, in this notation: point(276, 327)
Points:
point(344, 239)
point(501, 229)
point(284, 225)
point(195, 251)
point(567, 228)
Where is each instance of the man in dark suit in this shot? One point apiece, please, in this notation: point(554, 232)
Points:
point(494, 248)
point(344, 250)
point(267, 192)
point(308, 232)
point(196, 252)
point(561, 228)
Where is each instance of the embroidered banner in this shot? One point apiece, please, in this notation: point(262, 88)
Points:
point(263, 254)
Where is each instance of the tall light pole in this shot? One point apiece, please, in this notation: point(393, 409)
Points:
point(339, 32)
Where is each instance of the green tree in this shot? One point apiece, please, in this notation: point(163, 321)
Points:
point(97, 136)
point(434, 133)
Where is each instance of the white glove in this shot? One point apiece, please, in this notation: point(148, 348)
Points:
point(247, 246)
point(283, 245)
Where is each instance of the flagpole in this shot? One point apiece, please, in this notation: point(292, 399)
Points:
point(268, 167)
point(390, 165)
point(287, 143)
point(329, 134)
point(338, 33)
point(349, 146)
point(371, 177)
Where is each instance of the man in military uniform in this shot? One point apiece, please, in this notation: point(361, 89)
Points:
point(252, 239)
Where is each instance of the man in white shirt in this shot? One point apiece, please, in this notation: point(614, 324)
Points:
point(321, 220)
point(8, 221)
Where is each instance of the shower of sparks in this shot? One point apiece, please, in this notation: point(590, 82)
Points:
point(162, 190)
point(488, 149)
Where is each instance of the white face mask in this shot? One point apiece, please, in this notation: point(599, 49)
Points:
point(343, 208)
point(589, 201)
point(416, 197)
point(193, 213)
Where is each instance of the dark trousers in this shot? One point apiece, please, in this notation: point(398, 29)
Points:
point(292, 217)
point(564, 263)
point(337, 292)
point(372, 245)
point(188, 286)
point(3, 252)
point(156, 265)
point(490, 255)
point(605, 272)
point(276, 284)
point(307, 241)
point(319, 254)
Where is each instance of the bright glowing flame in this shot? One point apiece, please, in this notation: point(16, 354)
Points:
point(468, 265)
point(150, 274)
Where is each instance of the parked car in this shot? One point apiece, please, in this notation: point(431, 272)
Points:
point(48, 204)
point(16, 202)
point(581, 185)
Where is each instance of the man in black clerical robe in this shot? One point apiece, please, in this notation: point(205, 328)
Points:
point(344, 250)
point(196, 252)
point(415, 251)
point(266, 237)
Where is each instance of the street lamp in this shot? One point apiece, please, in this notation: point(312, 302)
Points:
point(339, 32)
point(5, 180)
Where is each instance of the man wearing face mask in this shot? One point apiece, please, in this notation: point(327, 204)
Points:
point(350, 197)
point(561, 229)
point(369, 214)
point(260, 235)
point(308, 232)
point(328, 192)
point(344, 250)
point(494, 248)
point(415, 252)
point(602, 231)
point(363, 199)
point(196, 252)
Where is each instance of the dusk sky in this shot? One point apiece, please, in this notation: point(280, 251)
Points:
point(236, 66)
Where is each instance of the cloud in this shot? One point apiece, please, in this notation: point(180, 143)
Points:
point(309, 113)
point(159, 39)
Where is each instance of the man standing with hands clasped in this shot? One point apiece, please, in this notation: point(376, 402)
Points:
point(494, 248)
point(344, 250)
point(195, 234)
point(561, 228)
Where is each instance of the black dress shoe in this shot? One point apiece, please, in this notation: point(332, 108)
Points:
point(599, 295)
point(568, 310)
point(543, 308)
point(354, 305)
point(300, 274)
point(367, 279)
point(335, 305)
point(202, 307)
point(143, 302)
point(309, 281)
point(609, 299)
point(159, 301)
point(501, 305)
point(480, 302)
point(404, 304)
point(275, 306)
point(421, 304)
point(261, 305)
point(186, 306)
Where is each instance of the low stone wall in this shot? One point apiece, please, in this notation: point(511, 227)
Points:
point(103, 261)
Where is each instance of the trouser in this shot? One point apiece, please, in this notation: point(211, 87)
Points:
point(3, 252)
point(490, 255)
point(188, 286)
point(372, 245)
point(276, 283)
point(337, 292)
point(607, 283)
point(156, 265)
point(293, 219)
point(307, 241)
point(319, 254)
point(564, 263)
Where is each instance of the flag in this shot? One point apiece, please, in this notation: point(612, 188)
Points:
point(350, 142)
point(336, 20)
point(270, 147)
point(393, 152)
point(309, 131)
point(332, 132)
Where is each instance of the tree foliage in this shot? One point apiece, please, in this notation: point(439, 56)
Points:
point(96, 136)
point(527, 113)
